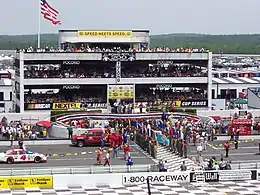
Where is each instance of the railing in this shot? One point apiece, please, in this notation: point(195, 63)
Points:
point(246, 166)
point(79, 170)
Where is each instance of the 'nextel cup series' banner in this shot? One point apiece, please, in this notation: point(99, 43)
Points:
point(194, 103)
point(66, 106)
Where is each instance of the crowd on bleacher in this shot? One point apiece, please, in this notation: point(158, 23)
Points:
point(82, 72)
point(86, 71)
point(146, 98)
point(114, 49)
point(59, 97)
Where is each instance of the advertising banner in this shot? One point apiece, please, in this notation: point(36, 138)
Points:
point(66, 105)
point(235, 175)
point(37, 106)
point(160, 178)
point(194, 103)
point(121, 91)
point(26, 182)
point(210, 176)
point(105, 33)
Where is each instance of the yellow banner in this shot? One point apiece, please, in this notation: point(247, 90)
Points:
point(26, 182)
point(66, 106)
point(105, 33)
point(121, 92)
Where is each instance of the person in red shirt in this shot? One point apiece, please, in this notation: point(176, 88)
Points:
point(126, 151)
point(227, 147)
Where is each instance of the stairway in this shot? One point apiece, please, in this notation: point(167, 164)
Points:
point(174, 161)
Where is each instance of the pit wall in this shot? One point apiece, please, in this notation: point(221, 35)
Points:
point(225, 113)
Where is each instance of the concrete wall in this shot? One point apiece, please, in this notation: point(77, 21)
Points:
point(225, 113)
point(30, 117)
point(121, 179)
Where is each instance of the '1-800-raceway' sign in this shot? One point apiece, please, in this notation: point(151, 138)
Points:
point(162, 178)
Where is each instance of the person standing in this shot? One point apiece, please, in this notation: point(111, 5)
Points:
point(11, 138)
point(236, 144)
point(20, 143)
point(70, 131)
point(227, 147)
point(115, 151)
point(99, 156)
point(107, 160)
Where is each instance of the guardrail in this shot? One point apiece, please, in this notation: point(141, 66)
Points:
point(79, 170)
point(246, 166)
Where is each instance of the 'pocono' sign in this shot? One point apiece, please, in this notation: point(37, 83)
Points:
point(159, 178)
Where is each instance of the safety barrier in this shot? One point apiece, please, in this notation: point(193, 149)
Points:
point(246, 166)
point(79, 170)
point(62, 180)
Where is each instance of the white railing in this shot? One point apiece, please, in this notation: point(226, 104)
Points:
point(101, 170)
point(78, 170)
point(246, 165)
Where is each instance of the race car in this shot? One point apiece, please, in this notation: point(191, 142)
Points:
point(21, 156)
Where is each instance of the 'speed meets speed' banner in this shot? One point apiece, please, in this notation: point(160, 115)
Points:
point(26, 182)
point(105, 33)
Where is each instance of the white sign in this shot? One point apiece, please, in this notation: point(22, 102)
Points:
point(159, 178)
point(71, 86)
point(42, 106)
point(235, 175)
point(71, 62)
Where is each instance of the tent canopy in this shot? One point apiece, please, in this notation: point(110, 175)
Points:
point(240, 101)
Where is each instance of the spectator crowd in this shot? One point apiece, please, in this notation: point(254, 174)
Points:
point(127, 71)
point(83, 48)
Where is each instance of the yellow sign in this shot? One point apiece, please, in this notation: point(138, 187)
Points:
point(26, 182)
point(66, 106)
point(121, 91)
point(105, 33)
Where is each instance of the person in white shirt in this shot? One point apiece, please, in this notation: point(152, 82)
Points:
point(199, 149)
point(107, 160)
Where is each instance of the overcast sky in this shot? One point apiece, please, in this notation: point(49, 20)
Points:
point(159, 16)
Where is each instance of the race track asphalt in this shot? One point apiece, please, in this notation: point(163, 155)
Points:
point(66, 155)
point(246, 152)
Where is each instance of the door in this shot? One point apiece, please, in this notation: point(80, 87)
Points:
point(97, 137)
point(22, 157)
point(15, 155)
point(90, 138)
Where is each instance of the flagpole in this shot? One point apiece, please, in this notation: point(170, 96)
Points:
point(39, 26)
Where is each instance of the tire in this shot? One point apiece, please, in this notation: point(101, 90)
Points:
point(81, 144)
point(37, 159)
point(10, 160)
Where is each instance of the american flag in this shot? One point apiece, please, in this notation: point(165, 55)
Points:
point(49, 13)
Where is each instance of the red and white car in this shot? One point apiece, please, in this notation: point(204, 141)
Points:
point(21, 156)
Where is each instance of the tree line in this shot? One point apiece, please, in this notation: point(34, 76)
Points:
point(244, 43)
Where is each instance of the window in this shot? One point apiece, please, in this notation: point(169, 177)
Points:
point(22, 152)
point(98, 133)
point(2, 105)
point(1, 96)
point(90, 133)
point(11, 96)
point(14, 153)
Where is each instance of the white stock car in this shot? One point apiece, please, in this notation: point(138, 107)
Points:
point(21, 156)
